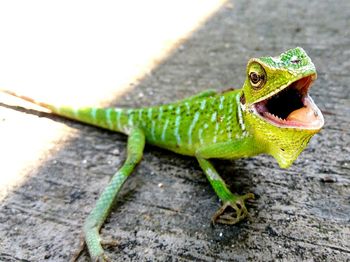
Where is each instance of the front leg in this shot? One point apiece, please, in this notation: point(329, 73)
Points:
point(235, 202)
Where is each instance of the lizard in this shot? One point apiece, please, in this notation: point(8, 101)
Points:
point(272, 114)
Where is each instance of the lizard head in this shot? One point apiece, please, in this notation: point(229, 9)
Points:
point(277, 106)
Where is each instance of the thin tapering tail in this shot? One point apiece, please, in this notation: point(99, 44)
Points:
point(115, 119)
point(26, 98)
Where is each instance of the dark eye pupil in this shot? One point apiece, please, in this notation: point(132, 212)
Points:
point(254, 77)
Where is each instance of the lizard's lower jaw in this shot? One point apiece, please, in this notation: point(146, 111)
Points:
point(292, 107)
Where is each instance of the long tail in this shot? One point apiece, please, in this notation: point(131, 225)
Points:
point(115, 119)
point(26, 98)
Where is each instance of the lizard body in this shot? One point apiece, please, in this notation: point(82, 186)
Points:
point(182, 127)
point(272, 114)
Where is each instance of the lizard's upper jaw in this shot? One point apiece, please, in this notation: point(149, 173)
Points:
point(292, 107)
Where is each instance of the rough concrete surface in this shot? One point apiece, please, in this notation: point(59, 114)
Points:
point(164, 210)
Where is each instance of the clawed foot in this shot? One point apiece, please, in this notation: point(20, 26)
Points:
point(99, 258)
point(239, 210)
point(105, 243)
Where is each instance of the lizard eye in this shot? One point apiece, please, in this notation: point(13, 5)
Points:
point(257, 76)
point(254, 78)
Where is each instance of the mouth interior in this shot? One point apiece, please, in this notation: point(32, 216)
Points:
point(292, 106)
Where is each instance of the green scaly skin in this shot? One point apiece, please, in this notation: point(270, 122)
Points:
point(209, 125)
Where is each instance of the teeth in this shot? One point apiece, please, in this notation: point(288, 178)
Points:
point(272, 116)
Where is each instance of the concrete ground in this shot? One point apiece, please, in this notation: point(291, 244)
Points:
point(164, 210)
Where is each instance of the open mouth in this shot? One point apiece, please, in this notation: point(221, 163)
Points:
point(292, 107)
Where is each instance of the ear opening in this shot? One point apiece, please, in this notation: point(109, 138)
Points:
point(242, 98)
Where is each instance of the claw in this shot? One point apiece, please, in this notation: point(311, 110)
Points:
point(101, 258)
point(238, 205)
point(106, 243)
point(109, 242)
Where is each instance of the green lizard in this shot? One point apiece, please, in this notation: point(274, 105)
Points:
point(272, 114)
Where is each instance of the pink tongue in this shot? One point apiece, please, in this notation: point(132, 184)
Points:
point(302, 115)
